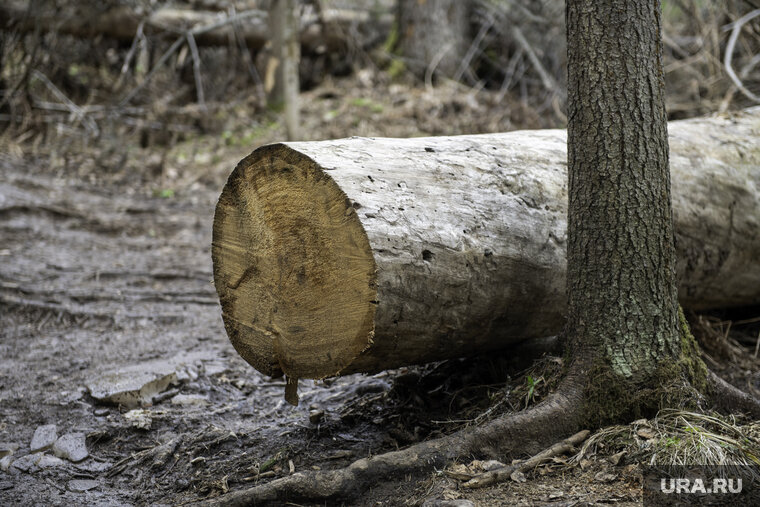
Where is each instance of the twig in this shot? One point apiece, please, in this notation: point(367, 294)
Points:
point(509, 74)
point(76, 111)
point(196, 69)
point(261, 95)
point(473, 48)
point(546, 78)
point(434, 64)
point(139, 36)
point(504, 473)
point(730, 53)
point(177, 43)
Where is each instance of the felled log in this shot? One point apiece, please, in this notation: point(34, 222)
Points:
point(365, 254)
point(121, 22)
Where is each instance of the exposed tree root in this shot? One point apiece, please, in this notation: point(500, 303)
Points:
point(524, 432)
point(732, 399)
point(529, 431)
point(504, 473)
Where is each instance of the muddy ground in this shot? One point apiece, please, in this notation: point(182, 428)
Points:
point(105, 275)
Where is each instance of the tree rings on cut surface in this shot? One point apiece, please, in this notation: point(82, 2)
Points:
point(293, 267)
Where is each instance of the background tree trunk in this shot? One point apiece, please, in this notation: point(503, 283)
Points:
point(435, 248)
point(282, 67)
point(434, 35)
point(621, 279)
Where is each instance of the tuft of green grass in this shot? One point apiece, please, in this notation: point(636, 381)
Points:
point(681, 438)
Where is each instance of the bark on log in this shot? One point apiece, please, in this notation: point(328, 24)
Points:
point(121, 22)
point(366, 254)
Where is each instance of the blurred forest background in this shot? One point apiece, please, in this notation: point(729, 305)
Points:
point(120, 121)
point(167, 93)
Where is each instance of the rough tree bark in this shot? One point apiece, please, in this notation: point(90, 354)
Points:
point(443, 247)
point(434, 35)
point(623, 329)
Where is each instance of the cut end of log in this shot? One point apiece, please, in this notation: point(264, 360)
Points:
point(293, 267)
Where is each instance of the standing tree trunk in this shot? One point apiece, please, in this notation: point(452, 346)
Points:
point(434, 35)
point(621, 285)
point(283, 66)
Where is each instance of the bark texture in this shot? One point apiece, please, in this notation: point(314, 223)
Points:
point(433, 248)
point(622, 294)
point(434, 35)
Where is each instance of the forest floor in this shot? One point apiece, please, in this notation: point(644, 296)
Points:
point(106, 288)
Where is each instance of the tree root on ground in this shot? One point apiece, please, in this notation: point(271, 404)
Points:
point(732, 399)
point(529, 431)
point(523, 432)
point(504, 473)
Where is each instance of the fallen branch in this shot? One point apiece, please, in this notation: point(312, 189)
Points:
point(737, 27)
point(505, 473)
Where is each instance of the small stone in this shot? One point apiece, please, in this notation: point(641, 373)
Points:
point(139, 418)
point(518, 476)
point(44, 438)
point(491, 464)
point(6, 449)
point(604, 477)
point(26, 463)
point(316, 416)
point(82, 485)
point(135, 385)
point(47, 461)
point(615, 458)
point(5, 463)
point(72, 447)
point(190, 399)
point(438, 502)
point(101, 412)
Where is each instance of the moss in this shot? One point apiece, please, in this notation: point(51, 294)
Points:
point(611, 398)
point(690, 362)
point(396, 68)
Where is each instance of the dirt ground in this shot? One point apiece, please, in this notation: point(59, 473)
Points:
point(105, 276)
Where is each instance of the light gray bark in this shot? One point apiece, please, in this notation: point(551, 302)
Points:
point(468, 233)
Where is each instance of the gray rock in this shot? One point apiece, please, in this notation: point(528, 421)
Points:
point(5, 463)
point(5, 485)
point(71, 446)
point(438, 502)
point(137, 385)
point(82, 485)
point(26, 463)
point(6, 449)
point(133, 386)
point(190, 399)
point(44, 437)
point(48, 461)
